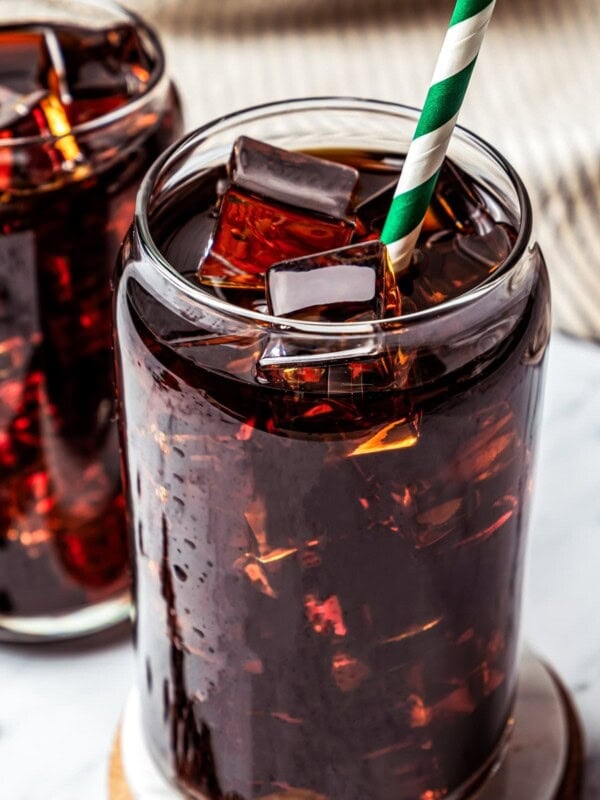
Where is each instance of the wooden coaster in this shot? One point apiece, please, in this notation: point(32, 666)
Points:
point(543, 759)
point(117, 785)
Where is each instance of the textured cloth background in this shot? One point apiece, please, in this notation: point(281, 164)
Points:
point(534, 94)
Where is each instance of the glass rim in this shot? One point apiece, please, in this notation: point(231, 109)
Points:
point(128, 108)
point(200, 297)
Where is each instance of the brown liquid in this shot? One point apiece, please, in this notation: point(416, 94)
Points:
point(329, 560)
point(62, 537)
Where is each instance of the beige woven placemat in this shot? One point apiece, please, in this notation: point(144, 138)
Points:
point(534, 94)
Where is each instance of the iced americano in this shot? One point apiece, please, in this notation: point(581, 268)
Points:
point(328, 469)
point(84, 109)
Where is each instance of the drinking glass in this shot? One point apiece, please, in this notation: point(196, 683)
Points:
point(67, 193)
point(328, 564)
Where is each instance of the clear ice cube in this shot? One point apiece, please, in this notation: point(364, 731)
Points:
point(88, 72)
point(348, 365)
point(22, 115)
point(293, 178)
point(104, 68)
point(52, 79)
point(373, 204)
point(28, 55)
point(457, 204)
point(351, 284)
point(487, 250)
point(31, 76)
point(279, 205)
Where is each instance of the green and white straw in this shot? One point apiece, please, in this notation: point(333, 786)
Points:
point(431, 139)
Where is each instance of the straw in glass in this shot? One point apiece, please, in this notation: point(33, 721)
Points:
point(437, 121)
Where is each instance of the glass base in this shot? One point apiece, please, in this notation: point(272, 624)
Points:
point(542, 759)
point(88, 620)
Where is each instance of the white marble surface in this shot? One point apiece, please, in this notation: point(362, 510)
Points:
point(59, 704)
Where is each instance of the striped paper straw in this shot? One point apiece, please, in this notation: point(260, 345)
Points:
point(440, 112)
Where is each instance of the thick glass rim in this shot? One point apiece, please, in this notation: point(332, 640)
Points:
point(200, 297)
point(128, 108)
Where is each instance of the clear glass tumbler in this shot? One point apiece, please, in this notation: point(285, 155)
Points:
point(86, 106)
point(328, 562)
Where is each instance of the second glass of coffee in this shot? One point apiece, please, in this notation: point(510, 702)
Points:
point(85, 107)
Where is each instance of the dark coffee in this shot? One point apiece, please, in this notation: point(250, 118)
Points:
point(67, 194)
point(329, 552)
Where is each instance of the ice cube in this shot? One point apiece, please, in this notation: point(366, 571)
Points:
point(88, 71)
point(27, 58)
point(279, 205)
point(39, 114)
point(293, 178)
point(492, 450)
point(351, 284)
point(354, 283)
point(33, 75)
point(325, 616)
point(457, 204)
point(104, 68)
point(400, 434)
point(34, 98)
point(449, 263)
point(348, 367)
point(348, 672)
point(486, 249)
point(35, 62)
point(374, 203)
point(22, 115)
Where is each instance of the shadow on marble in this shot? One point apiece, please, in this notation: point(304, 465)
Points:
point(120, 634)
